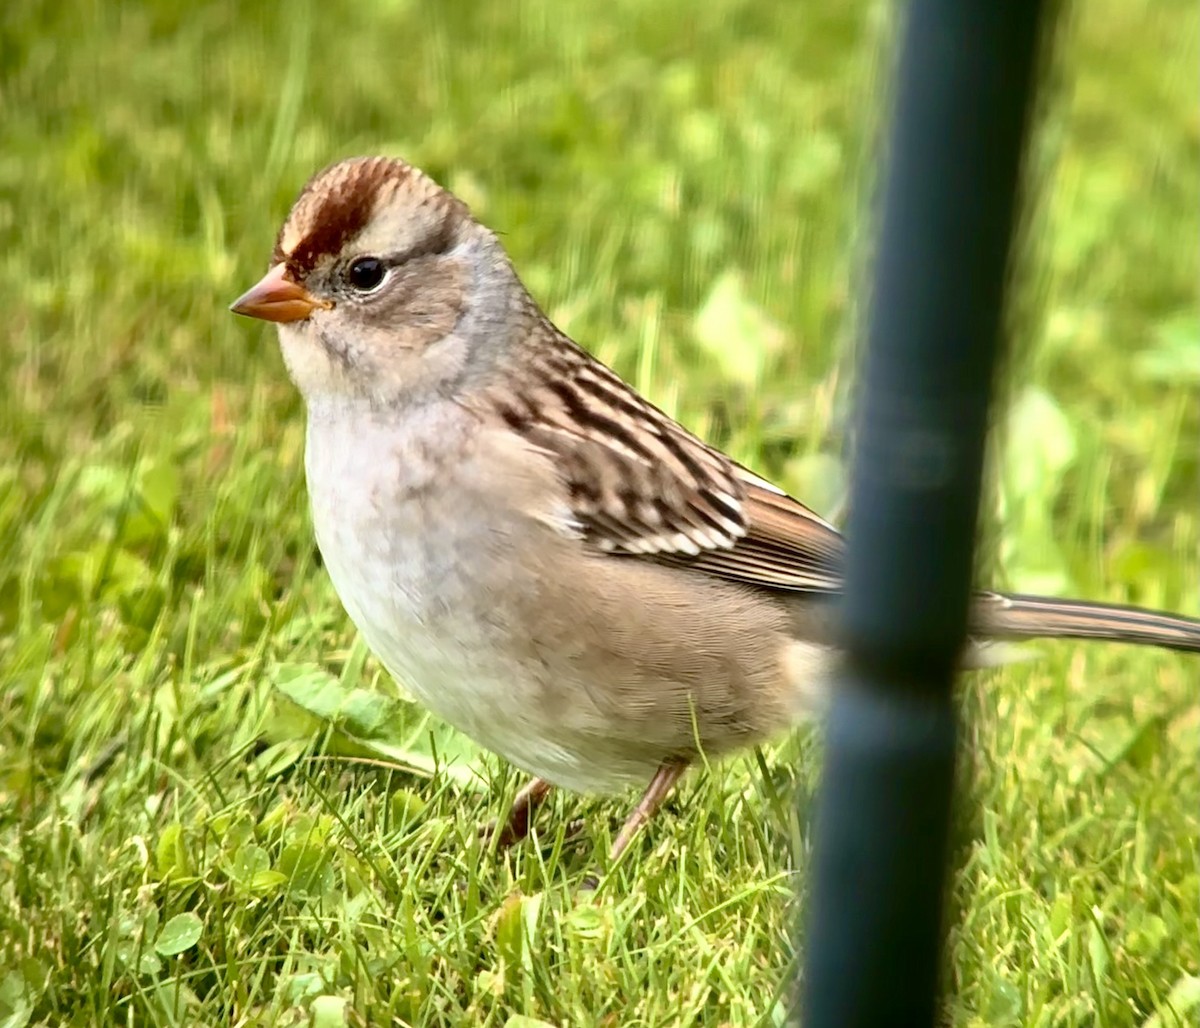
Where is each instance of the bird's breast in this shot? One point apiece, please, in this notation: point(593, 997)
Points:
point(425, 559)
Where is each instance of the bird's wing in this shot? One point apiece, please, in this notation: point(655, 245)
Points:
point(640, 484)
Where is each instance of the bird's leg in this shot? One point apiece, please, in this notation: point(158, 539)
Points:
point(520, 814)
point(659, 788)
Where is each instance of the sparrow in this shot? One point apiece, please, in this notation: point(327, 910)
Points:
point(542, 557)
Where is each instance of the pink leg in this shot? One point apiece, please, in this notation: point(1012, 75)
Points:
point(659, 788)
point(520, 815)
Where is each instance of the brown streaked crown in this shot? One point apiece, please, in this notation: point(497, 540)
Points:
point(338, 203)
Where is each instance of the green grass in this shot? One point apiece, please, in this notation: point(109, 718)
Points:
point(683, 187)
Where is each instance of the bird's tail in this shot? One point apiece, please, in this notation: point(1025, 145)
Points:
point(1032, 617)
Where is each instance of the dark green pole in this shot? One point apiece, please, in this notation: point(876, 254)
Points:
point(962, 95)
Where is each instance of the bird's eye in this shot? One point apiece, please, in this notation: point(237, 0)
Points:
point(366, 273)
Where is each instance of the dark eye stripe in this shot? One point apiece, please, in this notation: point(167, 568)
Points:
point(366, 273)
point(435, 244)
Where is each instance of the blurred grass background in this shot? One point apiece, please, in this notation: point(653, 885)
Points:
point(686, 189)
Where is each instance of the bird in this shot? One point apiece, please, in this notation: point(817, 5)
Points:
point(538, 554)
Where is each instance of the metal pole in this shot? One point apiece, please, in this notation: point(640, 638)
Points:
point(963, 89)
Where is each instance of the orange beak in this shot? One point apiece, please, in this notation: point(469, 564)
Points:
point(277, 298)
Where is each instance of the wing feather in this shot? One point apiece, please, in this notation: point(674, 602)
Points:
point(640, 484)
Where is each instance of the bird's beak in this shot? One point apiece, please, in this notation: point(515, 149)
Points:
point(276, 297)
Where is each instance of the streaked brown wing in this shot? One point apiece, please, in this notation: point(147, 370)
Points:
point(787, 546)
point(640, 484)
